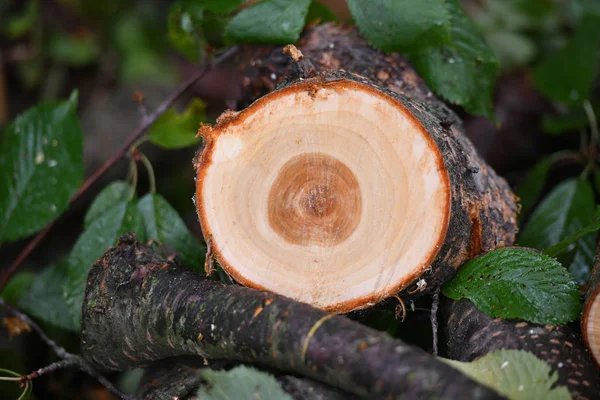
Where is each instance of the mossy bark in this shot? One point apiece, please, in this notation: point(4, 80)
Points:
point(470, 334)
point(140, 307)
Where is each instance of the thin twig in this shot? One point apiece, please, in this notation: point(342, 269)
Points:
point(68, 359)
point(118, 155)
point(434, 323)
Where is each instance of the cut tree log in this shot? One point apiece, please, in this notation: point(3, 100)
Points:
point(140, 307)
point(590, 320)
point(470, 334)
point(335, 191)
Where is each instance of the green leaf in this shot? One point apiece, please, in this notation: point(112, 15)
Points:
point(41, 167)
point(222, 6)
point(581, 265)
point(185, 28)
point(396, 25)
point(74, 50)
point(516, 374)
point(530, 189)
point(320, 12)
point(463, 71)
point(17, 287)
point(568, 75)
point(173, 130)
point(562, 222)
point(163, 224)
point(565, 210)
point(101, 234)
point(240, 383)
point(268, 22)
point(45, 300)
point(114, 194)
point(518, 283)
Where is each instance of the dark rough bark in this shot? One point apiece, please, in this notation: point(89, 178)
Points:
point(140, 307)
point(590, 324)
point(483, 210)
point(471, 334)
point(175, 377)
point(178, 377)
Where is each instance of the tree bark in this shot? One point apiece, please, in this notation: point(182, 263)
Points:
point(482, 213)
point(178, 377)
point(140, 307)
point(470, 334)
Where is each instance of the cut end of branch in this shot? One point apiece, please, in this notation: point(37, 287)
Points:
point(328, 192)
point(590, 323)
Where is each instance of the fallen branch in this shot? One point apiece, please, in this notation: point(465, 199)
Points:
point(121, 153)
point(471, 334)
point(140, 307)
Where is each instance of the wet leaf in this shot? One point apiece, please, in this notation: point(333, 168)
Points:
point(268, 22)
point(41, 167)
point(396, 25)
point(518, 283)
point(516, 374)
point(462, 71)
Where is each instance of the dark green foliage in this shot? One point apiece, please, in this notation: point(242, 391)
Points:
point(397, 25)
point(530, 189)
point(162, 223)
point(319, 12)
point(221, 6)
point(185, 28)
point(518, 283)
point(112, 195)
point(568, 75)
point(17, 287)
point(45, 300)
point(462, 71)
point(568, 208)
point(41, 167)
point(269, 22)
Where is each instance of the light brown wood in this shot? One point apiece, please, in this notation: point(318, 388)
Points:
point(331, 193)
point(590, 323)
